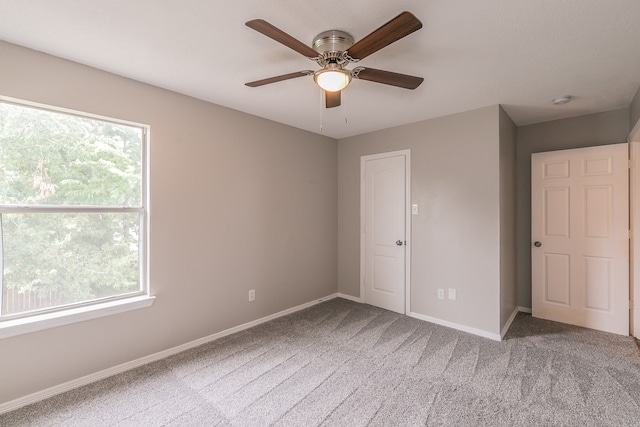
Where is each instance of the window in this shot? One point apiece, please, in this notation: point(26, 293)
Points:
point(72, 210)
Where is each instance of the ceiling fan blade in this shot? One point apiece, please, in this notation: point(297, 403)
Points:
point(262, 26)
point(400, 26)
point(388, 78)
point(279, 78)
point(331, 99)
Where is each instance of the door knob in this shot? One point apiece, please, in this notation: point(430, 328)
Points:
point(399, 242)
point(537, 244)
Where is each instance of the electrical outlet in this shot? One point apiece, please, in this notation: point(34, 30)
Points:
point(452, 294)
point(440, 293)
point(414, 209)
point(252, 295)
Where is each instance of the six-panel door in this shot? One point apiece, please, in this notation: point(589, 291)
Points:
point(580, 237)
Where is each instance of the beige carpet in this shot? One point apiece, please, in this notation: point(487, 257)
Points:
point(342, 363)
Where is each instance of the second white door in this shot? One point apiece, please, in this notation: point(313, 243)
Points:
point(384, 230)
point(580, 237)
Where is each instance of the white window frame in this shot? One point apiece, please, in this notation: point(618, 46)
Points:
point(26, 322)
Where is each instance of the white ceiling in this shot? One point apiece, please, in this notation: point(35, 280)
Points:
point(472, 53)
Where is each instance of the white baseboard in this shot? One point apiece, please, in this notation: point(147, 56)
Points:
point(524, 309)
point(349, 297)
point(463, 328)
point(88, 379)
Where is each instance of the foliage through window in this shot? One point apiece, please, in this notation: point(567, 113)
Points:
point(72, 215)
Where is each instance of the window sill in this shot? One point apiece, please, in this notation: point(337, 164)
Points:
point(10, 328)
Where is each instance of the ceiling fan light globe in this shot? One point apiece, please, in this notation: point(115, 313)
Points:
point(332, 80)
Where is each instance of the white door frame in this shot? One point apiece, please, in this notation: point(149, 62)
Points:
point(407, 268)
point(634, 223)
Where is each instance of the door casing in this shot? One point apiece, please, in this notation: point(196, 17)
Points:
point(634, 223)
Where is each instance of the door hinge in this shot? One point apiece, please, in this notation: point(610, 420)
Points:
point(630, 234)
point(630, 304)
point(630, 164)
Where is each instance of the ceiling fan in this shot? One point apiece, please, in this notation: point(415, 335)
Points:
point(333, 50)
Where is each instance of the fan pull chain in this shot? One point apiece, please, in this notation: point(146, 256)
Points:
point(321, 108)
point(344, 102)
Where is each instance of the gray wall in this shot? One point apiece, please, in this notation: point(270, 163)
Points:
point(590, 130)
point(237, 202)
point(455, 240)
point(508, 133)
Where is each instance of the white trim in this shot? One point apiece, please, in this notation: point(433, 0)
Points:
point(25, 325)
point(507, 325)
point(524, 309)
point(407, 225)
point(349, 297)
point(88, 379)
point(362, 228)
point(407, 281)
point(634, 224)
point(463, 328)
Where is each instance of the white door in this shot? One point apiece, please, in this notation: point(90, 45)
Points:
point(580, 237)
point(384, 237)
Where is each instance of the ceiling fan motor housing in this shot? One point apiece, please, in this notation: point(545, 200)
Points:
point(332, 41)
point(331, 46)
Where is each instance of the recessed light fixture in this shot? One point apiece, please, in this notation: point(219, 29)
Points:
point(561, 100)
